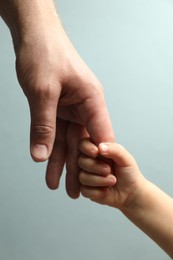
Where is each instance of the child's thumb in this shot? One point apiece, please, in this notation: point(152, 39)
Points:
point(117, 153)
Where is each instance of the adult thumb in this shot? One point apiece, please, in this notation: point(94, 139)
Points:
point(43, 111)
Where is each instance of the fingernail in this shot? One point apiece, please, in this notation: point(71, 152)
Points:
point(112, 180)
point(104, 148)
point(39, 151)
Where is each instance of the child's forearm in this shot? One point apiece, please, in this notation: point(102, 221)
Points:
point(152, 212)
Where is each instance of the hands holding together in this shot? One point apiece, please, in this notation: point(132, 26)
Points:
point(67, 105)
point(114, 185)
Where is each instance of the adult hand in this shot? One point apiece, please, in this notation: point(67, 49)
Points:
point(65, 98)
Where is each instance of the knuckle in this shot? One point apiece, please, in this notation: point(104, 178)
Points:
point(91, 87)
point(40, 91)
point(43, 130)
point(82, 177)
point(84, 192)
point(97, 89)
point(82, 144)
point(81, 161)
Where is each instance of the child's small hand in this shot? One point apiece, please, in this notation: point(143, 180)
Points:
point(122, 186)
point(114, 186)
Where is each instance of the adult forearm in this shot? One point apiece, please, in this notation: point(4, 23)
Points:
point(153, 214)
point(26, 17)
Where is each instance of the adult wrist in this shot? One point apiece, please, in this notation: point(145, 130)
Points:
point(26, 19)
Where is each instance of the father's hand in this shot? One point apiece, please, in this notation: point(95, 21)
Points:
point(65, 98)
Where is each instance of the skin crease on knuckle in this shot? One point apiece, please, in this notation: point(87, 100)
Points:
point(97, 194)
point(89, 193)
point(42, 130)
point(95, 180)
point(88, 148)
point(43, 91)
point(93, 165)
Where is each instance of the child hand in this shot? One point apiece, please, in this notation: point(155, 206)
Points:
point(115, 186)
point(123, 186)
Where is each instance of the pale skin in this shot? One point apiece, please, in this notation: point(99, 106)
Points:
point(66, 99)
point(123, 186)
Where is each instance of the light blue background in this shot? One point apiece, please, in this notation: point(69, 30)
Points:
point(129, 46)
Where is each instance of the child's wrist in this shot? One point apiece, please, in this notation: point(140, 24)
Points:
point(137, 198)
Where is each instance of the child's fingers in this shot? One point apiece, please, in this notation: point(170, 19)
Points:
point(117, 153)
point(88, 148)
point(94, 193)
point(94, 165)
point(93, 180)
